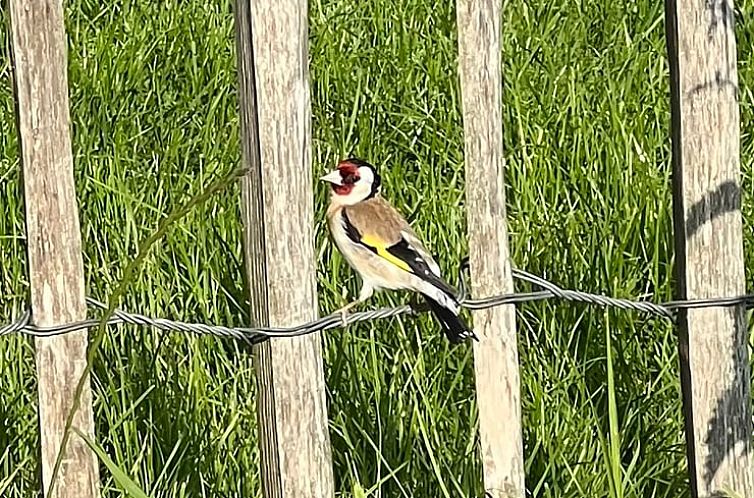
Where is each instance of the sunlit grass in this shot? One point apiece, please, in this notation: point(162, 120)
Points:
point(154, 107)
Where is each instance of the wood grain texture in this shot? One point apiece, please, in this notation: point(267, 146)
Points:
point(496, 354)
point(709, 244)
point(56, 270)
point(278, 211)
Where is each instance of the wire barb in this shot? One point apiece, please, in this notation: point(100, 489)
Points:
point(256, 335)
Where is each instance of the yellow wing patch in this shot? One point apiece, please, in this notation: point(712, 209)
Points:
point(381, 249)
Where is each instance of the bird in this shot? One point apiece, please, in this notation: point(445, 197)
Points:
point(379, 244)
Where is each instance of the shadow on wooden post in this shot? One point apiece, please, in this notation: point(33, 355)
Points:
point(278, 213)
point(496, 355)
point(56, 268)
point(715, 375)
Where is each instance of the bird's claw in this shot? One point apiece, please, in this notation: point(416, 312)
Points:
point(343, 312)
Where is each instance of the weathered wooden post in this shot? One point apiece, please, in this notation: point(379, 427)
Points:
point(496, 355)
point(714, 357)
point(278, 211)
point(56, 269)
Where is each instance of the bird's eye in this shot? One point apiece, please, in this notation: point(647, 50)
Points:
point(350, 179)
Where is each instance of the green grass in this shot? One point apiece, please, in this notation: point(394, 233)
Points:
point(154, 106)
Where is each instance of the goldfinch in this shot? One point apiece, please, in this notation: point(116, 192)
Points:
point(378, 243)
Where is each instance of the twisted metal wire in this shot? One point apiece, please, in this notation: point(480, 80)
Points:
point(256, 335)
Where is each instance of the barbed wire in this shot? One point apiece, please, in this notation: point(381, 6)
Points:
point(254, 335)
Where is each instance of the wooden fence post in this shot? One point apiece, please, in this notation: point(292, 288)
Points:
point(496, 355)
point(714, 357)
point(278, 210)
point(56, 269)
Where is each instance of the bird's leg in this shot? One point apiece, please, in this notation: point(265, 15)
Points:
point(365, 293)
point(344, 311)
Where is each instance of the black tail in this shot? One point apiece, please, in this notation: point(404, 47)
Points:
point(453, 325)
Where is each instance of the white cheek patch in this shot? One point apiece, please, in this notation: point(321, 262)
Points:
point(366, 175)
point(358, 193)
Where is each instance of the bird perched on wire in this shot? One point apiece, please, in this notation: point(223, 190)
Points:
point(378, 243)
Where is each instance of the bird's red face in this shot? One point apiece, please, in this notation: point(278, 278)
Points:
point(349, 177)
point(352, 181)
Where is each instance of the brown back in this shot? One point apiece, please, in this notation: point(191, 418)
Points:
point(375, 217)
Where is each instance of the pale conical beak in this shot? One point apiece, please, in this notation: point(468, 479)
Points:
point(333, 177)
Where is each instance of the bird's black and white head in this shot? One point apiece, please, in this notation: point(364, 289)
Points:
point(353, 181)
